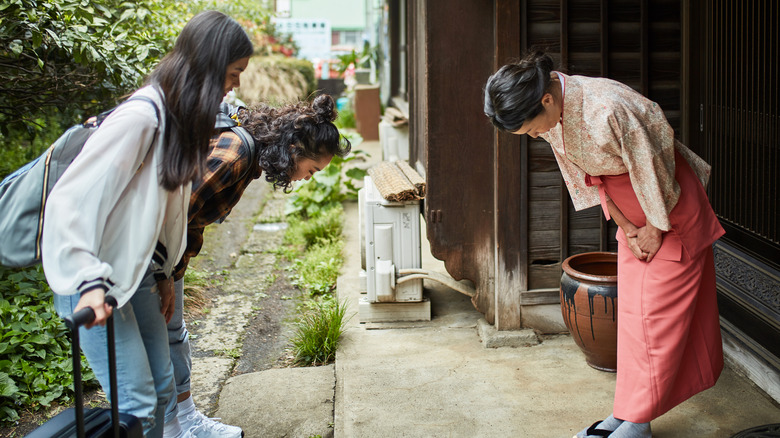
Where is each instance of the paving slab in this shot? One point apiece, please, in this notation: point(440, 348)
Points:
point(280, 402)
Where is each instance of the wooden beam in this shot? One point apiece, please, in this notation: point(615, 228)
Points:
point(510, 192)
point(537, 297)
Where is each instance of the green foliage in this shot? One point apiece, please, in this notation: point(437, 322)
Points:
point(35, 352)
point(365, 59)
point(346, 119)
point(318, 333)
point(62, 61)
point(305, 233)
point(318, 269)
point(327, 188)
point(195, 277)
point(78, 53)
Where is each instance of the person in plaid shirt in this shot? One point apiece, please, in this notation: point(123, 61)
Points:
point(293, 143)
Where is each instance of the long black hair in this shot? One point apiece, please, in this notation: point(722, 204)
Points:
point(304, 129)
point(514, 93)
point(192, 79)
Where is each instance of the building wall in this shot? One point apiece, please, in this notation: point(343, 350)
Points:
point(344, 15)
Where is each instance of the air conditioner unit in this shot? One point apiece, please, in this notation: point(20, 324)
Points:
point(390, 243)
point(391, 259)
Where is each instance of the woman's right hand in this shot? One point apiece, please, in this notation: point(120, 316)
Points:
point(633, 243)
point(96, 299)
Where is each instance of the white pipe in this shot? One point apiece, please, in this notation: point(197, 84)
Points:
point(414, 274)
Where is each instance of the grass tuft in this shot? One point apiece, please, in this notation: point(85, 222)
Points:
point(318, 333)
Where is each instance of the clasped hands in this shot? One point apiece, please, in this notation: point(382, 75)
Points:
point(644, 242)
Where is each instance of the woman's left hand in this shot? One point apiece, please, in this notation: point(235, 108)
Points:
point(649, 239)
point(165, 288)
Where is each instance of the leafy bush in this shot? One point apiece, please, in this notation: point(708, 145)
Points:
point(23, 147)
point(326, 227)
point(346, 118)
point(327, 188)
point(318, 333)
point(66, 53)
point(35, 351)
point(318, 269)
point(62, 61)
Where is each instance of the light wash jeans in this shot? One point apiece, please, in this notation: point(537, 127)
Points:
point(179, 342)
point(144, 370)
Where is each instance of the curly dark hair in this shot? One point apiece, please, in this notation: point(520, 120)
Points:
point(303, 129)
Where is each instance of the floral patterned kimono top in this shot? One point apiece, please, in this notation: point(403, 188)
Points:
point(607, 128)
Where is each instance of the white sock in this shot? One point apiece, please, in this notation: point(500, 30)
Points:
point(632, 430)
point(610, 423)
point(172, 429)
point(185, 408)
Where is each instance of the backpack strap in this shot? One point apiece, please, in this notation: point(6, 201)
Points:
point(225, 121)
point(147, 99)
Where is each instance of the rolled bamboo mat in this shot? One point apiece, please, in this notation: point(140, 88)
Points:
point(397, 181)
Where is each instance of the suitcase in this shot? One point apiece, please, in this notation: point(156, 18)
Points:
point(95, 422)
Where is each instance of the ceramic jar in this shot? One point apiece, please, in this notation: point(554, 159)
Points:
point(589, 306)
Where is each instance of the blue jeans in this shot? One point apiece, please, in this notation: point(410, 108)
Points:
point(179, 342)
point(144, 371)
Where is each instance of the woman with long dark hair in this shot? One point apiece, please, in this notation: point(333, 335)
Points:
point(615, 148)
point(123, 202)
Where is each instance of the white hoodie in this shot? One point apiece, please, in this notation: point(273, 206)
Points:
point(107, 213)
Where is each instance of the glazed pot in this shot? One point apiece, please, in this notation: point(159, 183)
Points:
point(589, 306)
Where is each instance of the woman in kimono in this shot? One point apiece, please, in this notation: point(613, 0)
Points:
point(615, 148)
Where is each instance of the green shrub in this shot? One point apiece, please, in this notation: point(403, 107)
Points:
point(327, 188)
point(346, 118)
point(323, 228)
point(35, 351)
point(318, 333)
point(318, 269)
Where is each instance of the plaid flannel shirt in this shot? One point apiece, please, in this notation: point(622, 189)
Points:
point(217, 191)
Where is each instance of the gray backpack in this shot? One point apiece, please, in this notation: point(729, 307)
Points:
point(23, 194)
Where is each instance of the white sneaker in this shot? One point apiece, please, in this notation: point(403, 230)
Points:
point(204, 427)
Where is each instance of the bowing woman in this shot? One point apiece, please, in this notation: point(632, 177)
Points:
point(615, 148)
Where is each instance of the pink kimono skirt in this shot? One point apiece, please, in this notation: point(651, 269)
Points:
point(669, 343)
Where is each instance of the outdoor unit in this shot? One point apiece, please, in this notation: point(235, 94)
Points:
point(390, 243)
point(392, 277)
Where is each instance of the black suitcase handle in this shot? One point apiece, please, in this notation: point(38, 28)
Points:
point(74, 321)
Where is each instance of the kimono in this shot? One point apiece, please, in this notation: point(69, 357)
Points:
point(615, 144)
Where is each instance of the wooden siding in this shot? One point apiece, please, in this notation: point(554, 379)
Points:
point(736, 115)
point(640, 46)
point(451, 57)
point(497, 212)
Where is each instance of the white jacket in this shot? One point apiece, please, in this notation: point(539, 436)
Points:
point(108, 212)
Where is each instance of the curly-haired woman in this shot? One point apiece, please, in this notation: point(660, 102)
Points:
point(294, 142)
point(615, 148)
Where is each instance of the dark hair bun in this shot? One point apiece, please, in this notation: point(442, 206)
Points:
point(323, 106)
point(540, 60)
